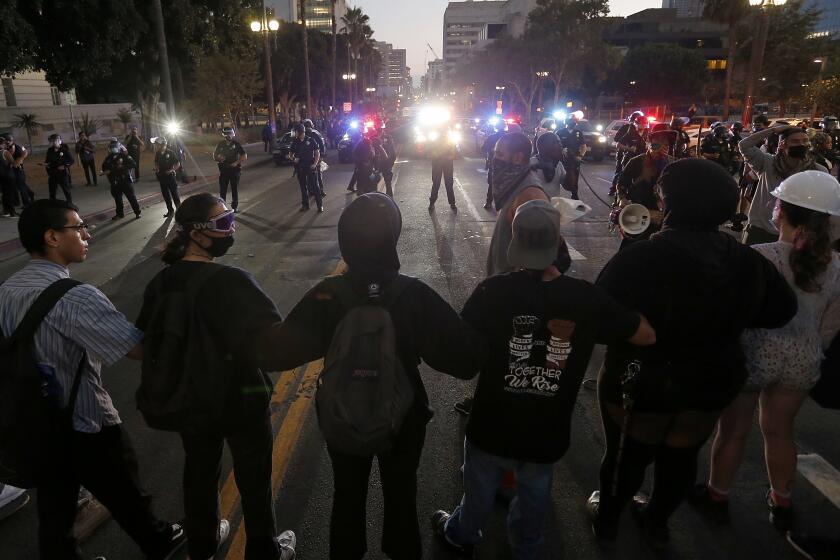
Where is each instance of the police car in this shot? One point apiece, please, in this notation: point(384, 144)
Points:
point(283, 150)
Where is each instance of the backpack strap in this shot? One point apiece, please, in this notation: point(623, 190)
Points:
point(340, 287)
point(42, 306)
point(394, 290)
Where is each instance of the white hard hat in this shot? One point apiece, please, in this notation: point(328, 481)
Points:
point(814, 190)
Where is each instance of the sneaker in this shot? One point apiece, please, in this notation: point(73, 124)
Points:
point(814, 548)
point(137, 216)
point(287, 542)
point(454, 208)
point(604, 532)
point(439, 520)
point(11, 500)
point(224, 531)
point(168, 213)
point(701, 498)
point(780, 516)
point(488, 205)
point(320, 209)
point(118, 217)
point(654, 532)
point(177, 539)
point(464, 406)
point(304, 208)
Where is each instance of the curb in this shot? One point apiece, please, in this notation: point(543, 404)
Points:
point(12, 247)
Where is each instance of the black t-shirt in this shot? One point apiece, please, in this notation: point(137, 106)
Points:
point(165, 160)
point(541, 336)
point(118, 166)
point(230, 153)
point(132, 144)
point(238, 316)
point(56, 157)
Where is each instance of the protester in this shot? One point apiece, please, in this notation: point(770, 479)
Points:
point(266, 136)
point(19, 154)
point(85, 151)
point(548, 163)
point(487, 150)
point(783, 364)
point(541, 327)
point(134, 145)
point(82, 333)
point(822, 149)
point(8, 186)
point(791, 157)
point(426, 328)
point(364, 157)
point(700, 289)
point(225, 346)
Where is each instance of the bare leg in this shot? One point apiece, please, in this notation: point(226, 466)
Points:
point(730, 440)
point(779, 406)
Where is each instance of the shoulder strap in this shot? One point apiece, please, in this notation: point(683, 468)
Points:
point(394, 290)
point(41, 307)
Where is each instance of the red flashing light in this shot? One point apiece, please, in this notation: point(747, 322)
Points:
point(510, 121)
point(651, 119)
point(369, 124)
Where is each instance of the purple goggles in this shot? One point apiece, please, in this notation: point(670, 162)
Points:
point(223, 223)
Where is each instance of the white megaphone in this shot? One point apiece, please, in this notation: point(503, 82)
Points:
point(634, 219)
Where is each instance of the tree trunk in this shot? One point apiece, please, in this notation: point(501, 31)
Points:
point(334, 55)
point(730, 63)
point(306, 55)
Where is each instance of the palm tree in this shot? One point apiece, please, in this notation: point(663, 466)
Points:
point(732, 13)
point(125, 117)
point(359, 33)
point(29, 123)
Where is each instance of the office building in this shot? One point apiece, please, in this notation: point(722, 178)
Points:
point(317, 12)
point(685, 8)
point(393, 79)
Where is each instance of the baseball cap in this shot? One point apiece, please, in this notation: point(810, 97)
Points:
point(536, 235)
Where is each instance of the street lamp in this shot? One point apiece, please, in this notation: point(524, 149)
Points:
point(265, 26)
point(757, 56)
point(349, 79)
point(822, 61)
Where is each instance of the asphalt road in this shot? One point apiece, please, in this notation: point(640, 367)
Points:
point(289, 251)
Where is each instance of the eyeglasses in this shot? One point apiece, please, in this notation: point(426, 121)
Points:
point(79, 227)
point(223, 223)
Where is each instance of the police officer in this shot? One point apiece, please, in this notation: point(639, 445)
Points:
point(575, 148)
point(19, 155)
point(364, 158)
point(307, 157)
point(134, 144)
point(487, 149)
point(630, 144)
point(736, 134)
point(7, 180)
point(167, 165)
point(230, 156)
point(84, 151)
point(119, 165)
point(716, 146)
point(682, 143)
point(313, 133)
point(387, 160)
point(443, 152)
point(58, 161)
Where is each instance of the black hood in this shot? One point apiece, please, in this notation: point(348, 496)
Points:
point(368, 231)
point(712, 253)
point(698, 195)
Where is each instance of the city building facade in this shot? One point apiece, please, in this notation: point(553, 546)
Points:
point(317, 12)
point(394, 78)
point(685, 8)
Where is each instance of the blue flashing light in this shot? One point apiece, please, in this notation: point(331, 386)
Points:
point(354, 124)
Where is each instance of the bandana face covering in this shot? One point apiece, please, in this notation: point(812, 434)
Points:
point(506, 177)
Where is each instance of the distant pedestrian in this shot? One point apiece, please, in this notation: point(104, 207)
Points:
point(230, 156)
point(118, 166)
point(85, 151)
point(266, 136)
point(541, 327)
point(58, 161)
point(425, 328)
point(224, 354)
point(82, 333)
point(167, 165)
point(19, 154)
point(135, 145)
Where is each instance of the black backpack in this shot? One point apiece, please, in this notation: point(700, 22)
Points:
point(364, 393)
point(173, 383)
point(34, 433)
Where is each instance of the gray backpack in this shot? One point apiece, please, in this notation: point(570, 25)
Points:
point(364, 393)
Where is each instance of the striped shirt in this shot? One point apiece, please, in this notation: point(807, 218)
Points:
point(84, 320)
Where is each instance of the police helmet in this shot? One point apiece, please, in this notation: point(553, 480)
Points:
point(720, 130)
point(307, 123)
point(658, 127)
point(161, 140)
point(7, 136)
point(228, 131)
point(114, 146)
point(829, 122)
point(299, 128)
point(737, 126)
point(761, 119)
point(635, 116)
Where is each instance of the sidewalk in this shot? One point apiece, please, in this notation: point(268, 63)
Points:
point(96, 204)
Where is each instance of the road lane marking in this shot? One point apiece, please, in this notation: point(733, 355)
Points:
point(822, 476)
point(473, 210)
point(605, 180)
point(284, 445)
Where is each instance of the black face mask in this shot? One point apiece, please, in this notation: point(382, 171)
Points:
point(797, 152)
point(219, 246)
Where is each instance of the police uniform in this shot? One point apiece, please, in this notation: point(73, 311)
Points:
point(386, 163)
point(711, 145)
point(306, 152)
point(166, 161)
point(59, 178)
point(229, 169)
point(572, 140)
point(322, 147)
point(26, 194)
point(118, 168)
point(487, 149)
point(627, 135)
point(134, 146)
point(84, 151)
point(443, 166)
point(679, 149)
point(637, 184)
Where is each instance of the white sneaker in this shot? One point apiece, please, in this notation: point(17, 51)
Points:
point(224, 533)
point(12, 499)
point(287, 542)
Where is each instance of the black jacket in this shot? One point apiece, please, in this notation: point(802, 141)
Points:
point(427, 329)
point(699, 290)
point(118, 167)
